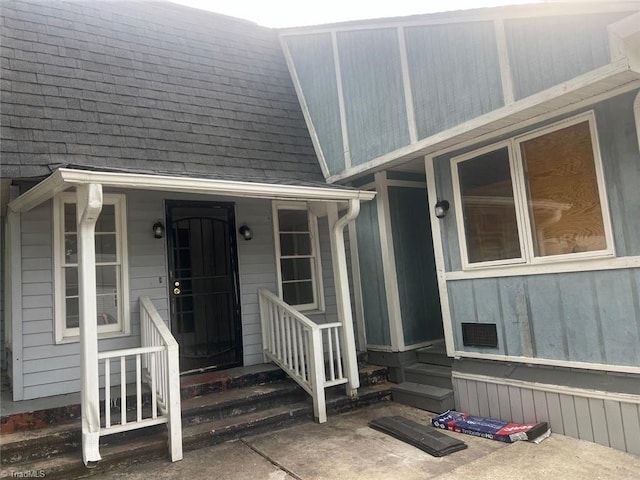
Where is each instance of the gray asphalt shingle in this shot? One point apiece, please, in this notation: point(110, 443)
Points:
point(148, 86)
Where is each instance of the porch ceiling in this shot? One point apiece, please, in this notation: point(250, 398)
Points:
point(614, 78)
point(65, 178)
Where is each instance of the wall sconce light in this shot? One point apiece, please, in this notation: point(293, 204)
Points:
point(246, 232)
point(158, 230)
point(441, 208)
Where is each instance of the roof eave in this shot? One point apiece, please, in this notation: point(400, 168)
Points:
point(65, 178)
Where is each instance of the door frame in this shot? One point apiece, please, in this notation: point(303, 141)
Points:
point(235, 267)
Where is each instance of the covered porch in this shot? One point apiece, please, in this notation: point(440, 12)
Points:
point(142, 318)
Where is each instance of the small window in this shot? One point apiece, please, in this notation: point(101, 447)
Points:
point(111, 274)
point(534, 198)
point(297, 249)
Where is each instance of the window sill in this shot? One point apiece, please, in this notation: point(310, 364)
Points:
point(101, 336)
point(578, 265)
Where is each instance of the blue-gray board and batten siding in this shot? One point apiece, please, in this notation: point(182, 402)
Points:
point(50, 368)
point(374, 296)
point(415, 265)
point(441, 61)
point(592, 316)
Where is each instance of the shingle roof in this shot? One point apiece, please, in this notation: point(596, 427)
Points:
point(149, 86)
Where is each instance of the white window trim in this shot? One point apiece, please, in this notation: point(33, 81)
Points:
point(528, 257)
point(316, 264)
point(123, 327)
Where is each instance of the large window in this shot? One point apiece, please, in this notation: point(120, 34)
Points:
point(534, 198)
point(111, 274)
point(296, 238)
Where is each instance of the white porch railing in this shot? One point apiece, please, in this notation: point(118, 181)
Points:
point(303, 348)
point(156, 363)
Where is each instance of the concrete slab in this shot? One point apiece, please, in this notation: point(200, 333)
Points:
point(233, 460)
point(346, 448)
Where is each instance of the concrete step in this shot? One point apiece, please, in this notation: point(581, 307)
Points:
point(425, 397)
point(134, 448)
point(435, 355)
point(426, 374)
point(237, 405)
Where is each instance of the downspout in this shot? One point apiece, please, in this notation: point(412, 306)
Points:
point(89, 206)
point(342, 293)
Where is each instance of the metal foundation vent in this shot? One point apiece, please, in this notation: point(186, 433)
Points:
point(479, 335)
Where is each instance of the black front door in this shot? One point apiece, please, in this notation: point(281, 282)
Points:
point(204, 290)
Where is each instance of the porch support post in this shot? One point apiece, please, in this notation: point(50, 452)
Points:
point(89, 206)
point(341, 280)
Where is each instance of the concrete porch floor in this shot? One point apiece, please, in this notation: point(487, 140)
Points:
point(346, 448)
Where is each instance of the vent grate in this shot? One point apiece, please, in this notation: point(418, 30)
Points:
point(479, 335)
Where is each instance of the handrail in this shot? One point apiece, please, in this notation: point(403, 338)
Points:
point(156, 364)
point(309, 352)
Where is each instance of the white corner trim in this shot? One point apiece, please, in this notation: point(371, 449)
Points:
point(549, 362)
point(508, 91)
point(389, 263)
point(305, 108)
point(341, 104)
point(406, 82)
point(548, 387)
point(14, 275)
point(636, 113)
point(624, 40)
point(438, 250)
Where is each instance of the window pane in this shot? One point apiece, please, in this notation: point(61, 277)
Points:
point(295, 244)
point(107, 308)
point(70, 217)
point(72, 319)
point(70, 248)
point(106, 279)
point(71, 281)
point(107, 219)
point(488, 207)
point(293, 220)
point(106, 247)
point(564, 203)
point(298, 293)
point(296, 269)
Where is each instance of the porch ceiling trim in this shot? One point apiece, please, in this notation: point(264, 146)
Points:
point(65, 178)
point(616, 77)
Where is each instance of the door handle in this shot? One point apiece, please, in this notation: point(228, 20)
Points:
point(176, 291)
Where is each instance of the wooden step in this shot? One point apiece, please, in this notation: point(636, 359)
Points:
point(427, 374)
point(425, 397)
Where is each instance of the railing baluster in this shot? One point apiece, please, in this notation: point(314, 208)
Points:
point(289, 346)
point(138, 389)
point(338, 352)
point(154, 388)
point(294, 342)
point(272, 331)
point(107, 392)
point(123, 391)
point(332, 372)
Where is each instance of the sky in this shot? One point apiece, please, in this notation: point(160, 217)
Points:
point(293, 13)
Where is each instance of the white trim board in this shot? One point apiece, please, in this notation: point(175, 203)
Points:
point(306, 113)
point(550, 362)
point(595, 86)
point(471, 15)
point(585, 265)
point(64, 178)
point(548, 387)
